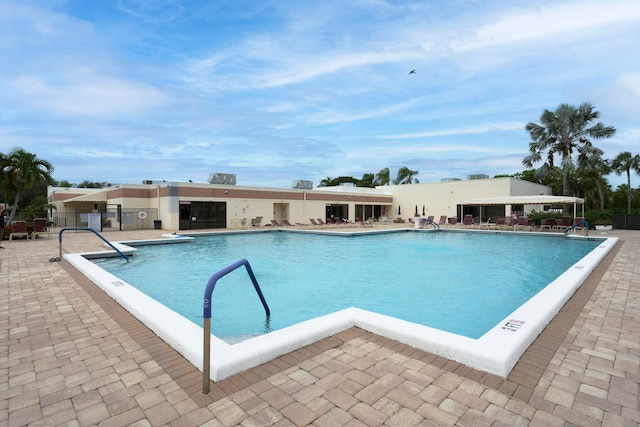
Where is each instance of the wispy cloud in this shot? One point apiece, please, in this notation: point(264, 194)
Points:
point(88, 94)
point(457, 131)
point(279, 91)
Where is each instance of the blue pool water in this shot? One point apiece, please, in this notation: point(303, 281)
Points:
point(464, 283)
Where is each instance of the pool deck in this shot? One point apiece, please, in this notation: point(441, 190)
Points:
point(69, 355)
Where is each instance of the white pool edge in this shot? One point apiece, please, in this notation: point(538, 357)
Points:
point(495, 352)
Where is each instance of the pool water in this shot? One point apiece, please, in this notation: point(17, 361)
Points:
point(464, 283)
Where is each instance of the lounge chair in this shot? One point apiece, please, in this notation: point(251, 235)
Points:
point(563, 223)
point(40, 226)
point(577, 220)
point(523, 224)
point(442, 220)
point(275, 223)
point(321, 222)
point(487, 224)
point(287, 223)
point(501, 223)
point(313, 222)
point(547, 224)
point(18, 229)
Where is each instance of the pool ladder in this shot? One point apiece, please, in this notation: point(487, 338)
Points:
point(583, 224)
point(84, 229)
point(206, 359)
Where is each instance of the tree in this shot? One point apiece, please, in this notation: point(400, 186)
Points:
point(552, 178)
point(625, 162)
point(383, 177)
point(327, 182)
point(330, 182)
point(405, 176)
point(595, 168)
point(367, 180)
point(24, 170)
point(4, 177)
point(64, 183)
point(92, 184)
point(561, 133)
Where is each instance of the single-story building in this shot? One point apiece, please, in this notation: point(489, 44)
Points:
point(192, 206)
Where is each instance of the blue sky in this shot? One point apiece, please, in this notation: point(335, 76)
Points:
point(275, 91)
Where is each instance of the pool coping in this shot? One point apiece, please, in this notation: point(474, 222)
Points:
point(496, 352)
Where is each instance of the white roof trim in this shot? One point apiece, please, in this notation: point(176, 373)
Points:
point(524, 200)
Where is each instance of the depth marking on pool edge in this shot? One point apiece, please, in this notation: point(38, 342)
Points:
point(513, 325)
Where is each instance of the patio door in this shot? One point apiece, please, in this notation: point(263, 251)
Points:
point(202, 215)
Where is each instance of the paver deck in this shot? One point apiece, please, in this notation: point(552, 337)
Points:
point(69, 355)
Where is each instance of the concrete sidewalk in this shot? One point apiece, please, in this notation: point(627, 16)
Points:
point(71, 356)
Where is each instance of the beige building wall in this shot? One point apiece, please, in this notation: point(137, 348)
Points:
point(295, 205)
point(443, 198)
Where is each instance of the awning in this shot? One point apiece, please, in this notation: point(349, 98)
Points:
point(98, 196)
point(525, 200)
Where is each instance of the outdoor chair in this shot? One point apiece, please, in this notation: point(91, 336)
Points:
point(523, 224)
point(40, 226)
point(547, 224)
point(18, 229)
point(563, 223)
point(578, 220)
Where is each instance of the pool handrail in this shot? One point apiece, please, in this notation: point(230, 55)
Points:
point(584, 224)
point(94, 232)
point(207, 314)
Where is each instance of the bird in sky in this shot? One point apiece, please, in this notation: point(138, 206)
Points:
point(412, 72)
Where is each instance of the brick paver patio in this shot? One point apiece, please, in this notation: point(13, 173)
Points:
point(69, 355)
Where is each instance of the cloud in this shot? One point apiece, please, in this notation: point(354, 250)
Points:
point(158, 11)
point(86, 93)
point(481, 129)
point(275, 91)
point(561, 21)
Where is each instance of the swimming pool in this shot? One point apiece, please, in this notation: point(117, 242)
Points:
point(496, 351)
point(456, 282)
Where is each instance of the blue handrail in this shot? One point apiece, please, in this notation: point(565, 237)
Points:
point(207, 313)
point(584, 224)
point(435, 225)
point(94, 232)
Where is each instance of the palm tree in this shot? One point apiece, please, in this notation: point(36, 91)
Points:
point(596, 168)
point(562, 132)
point(624, 162)
point(405, 176)
point(326, 182)
point(4, 177)
point(382, 177)
point(24, 170)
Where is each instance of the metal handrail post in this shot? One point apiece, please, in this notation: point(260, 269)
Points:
point(206, 366)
